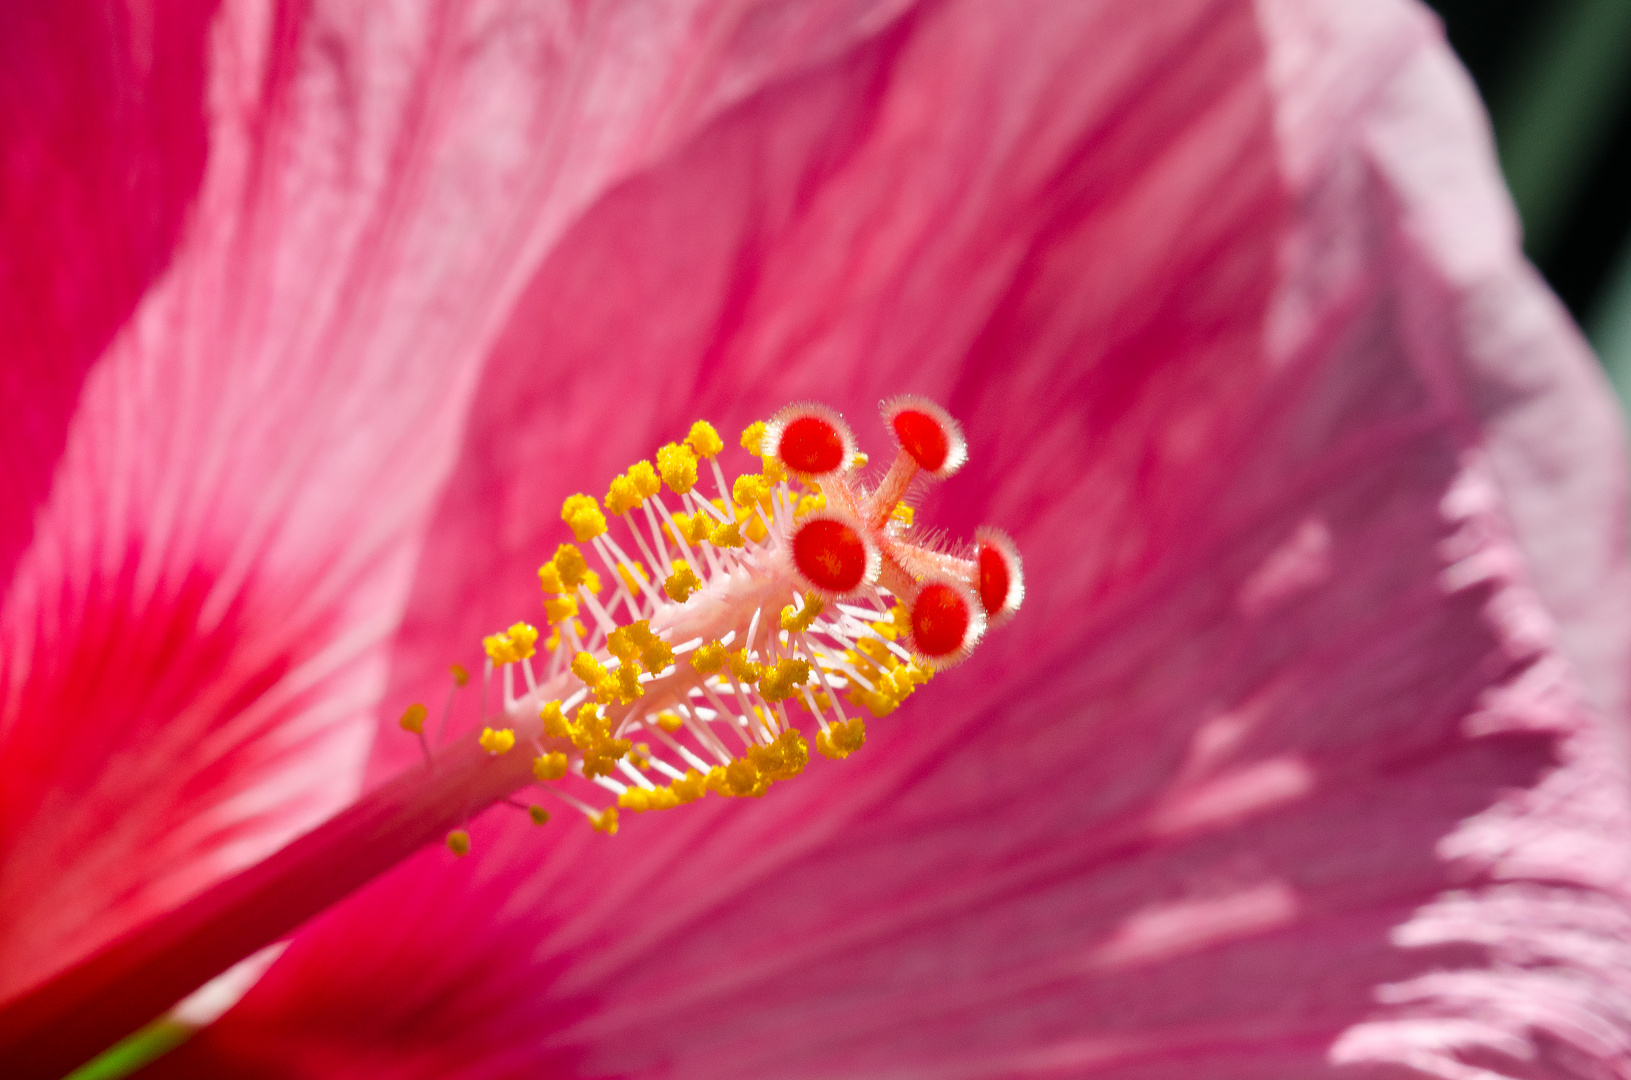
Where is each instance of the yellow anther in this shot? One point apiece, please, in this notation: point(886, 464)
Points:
point(634, 799)
point(753, 438)
point(539, 815)
point(514, 644)
point(590, 727)
point(587, 668)
point(624, 642)
point(549, 579)
point(571, 568)
point(857, 461)
point(902, 513)
point(782, 681)
point(681, 583)
point(623, 685)
point(560, 608)
point(591, 581)
point(726, 536)
point(781, 760)
point(413, 718)
point(698, 527)
point(841, 739)
point(678, 466)
point(621, 497)
point(741, 777)
point(460, 676)
point(809, 504)
point(644, 479)
point(708, 658)
point(556, 725)
point(704, 439)
point(582, 513)
point(458, 842)
point(602, 758)
point(750, 488)
point(796, 622)
point(774, 470)
point(549, 767)
point(497, 742)
point(690, 787)
point(631, 570)
point(656, 655)
point(669, 722)
point(605, 821)
point(744, 669)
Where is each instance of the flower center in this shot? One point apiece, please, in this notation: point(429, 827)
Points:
point(715, 630)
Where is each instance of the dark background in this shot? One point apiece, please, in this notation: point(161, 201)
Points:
point(1556, 75)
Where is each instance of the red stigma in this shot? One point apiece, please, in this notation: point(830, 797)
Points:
point(811, 445)
point(922, 436)
point(940, 621)
point(830, 554)
point(993, 579)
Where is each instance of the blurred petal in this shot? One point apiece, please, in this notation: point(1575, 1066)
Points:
point(194, 642)
point(1290, 765)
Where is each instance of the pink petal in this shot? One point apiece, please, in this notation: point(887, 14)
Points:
point(193, 646)
point(102, 113)
point(1295, 761)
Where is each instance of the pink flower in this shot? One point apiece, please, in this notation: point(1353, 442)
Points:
point(1305, 755)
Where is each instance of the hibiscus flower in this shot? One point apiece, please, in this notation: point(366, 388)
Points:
point(1305, 755)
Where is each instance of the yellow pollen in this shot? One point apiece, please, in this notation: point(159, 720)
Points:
point(644, 478)
point(681, 584)
point(857, 461)
point(753, 438)
point(549, 767)
point(669, 722)
point(605, 821)
point(782, 681)
point(497, 742)
point(413, 719)
point(549, 579)
point(460, 676)
point(796, 622)
point(726, 536)
point(708, 658)
point(704, 439)
point(571, 568)
point(902, 513)
point(539, 815)
point(458, 842)
point(556, 725)
point(561, 608)
point(621, 497)
point(842, 739)
point(587, 668)
point(744, 669)
point(514, 644)
point(809, 504)
point(582, 514)
point(752, 488)
point(678, 466)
